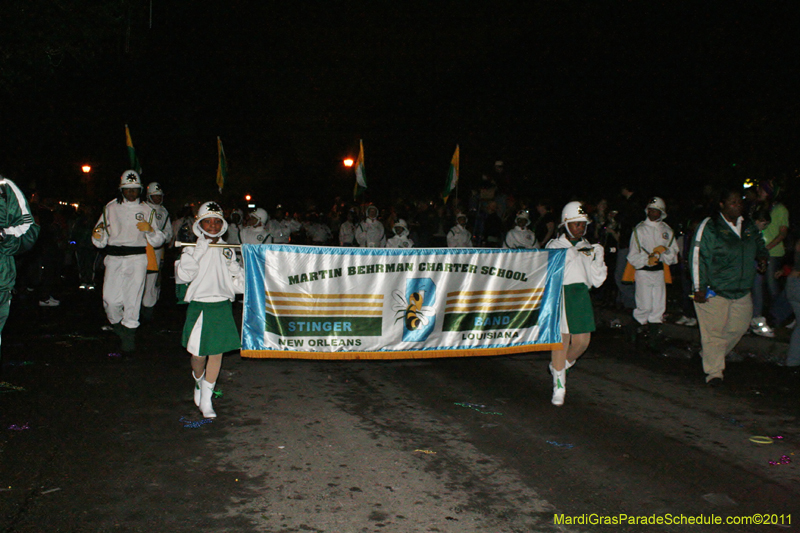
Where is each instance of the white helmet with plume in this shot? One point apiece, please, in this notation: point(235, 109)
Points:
point(209, 210)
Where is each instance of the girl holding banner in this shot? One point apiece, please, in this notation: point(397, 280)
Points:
point(584, 268)
point(215, 277)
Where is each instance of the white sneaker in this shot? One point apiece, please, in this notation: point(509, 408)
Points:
point(763, 330)
point(682, 321)
point(691, 322)
point(50, 302)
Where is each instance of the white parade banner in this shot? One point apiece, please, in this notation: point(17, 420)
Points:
point(312, 302)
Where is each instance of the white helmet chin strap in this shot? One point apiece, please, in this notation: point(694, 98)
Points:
point(209, 235)
point(566, 227)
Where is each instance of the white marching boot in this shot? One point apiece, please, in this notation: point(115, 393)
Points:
point(206, 393)
point(197, 387)
point(559, 385)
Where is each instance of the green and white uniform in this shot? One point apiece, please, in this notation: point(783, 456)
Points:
point(126, 257)
point(19, 233)
point(584, 268)
point(152, 285)
point(215, 277)
point(651, 289)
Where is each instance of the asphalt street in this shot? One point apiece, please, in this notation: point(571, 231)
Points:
point(90, 441)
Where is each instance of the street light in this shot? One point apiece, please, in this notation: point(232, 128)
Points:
point(348, 162)
point(86, 169)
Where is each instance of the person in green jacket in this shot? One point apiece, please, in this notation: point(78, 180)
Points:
point(722, 262)
point(18, 233)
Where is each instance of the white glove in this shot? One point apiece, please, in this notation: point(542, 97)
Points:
point(201, 247)
point(599, 252)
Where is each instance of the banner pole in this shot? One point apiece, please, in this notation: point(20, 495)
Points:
point(179, 244)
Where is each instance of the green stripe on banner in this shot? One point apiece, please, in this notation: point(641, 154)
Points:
point(333, 326)
point(487, 321)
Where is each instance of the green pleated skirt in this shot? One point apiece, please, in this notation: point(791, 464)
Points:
point(219, 333)
point(578, 308)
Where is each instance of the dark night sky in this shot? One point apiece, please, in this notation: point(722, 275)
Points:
point(571, 95)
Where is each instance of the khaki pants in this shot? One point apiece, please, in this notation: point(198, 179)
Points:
point(723, 322)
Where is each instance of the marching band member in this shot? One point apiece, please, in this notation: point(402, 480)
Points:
point(459, 236)
point(520, 237)
point(125, 228)
point(152, 284)
point(400, 239)
point(652, 249)
point(370, 233)
point(584, 268)
point(215, 277)
point(235, 227)
point(255, 232)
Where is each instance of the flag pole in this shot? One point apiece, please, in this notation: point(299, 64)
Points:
point(180, 244)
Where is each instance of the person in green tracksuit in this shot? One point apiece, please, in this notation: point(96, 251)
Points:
point(722, 261)
point(18, 233)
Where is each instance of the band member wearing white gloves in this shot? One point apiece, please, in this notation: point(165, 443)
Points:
point(126, 226)
point(584, 268)
point(215, 277)
point(152, 283)
point(652, 249)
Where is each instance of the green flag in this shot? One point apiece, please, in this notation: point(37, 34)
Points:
point(452, 177)
point(134, 161)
